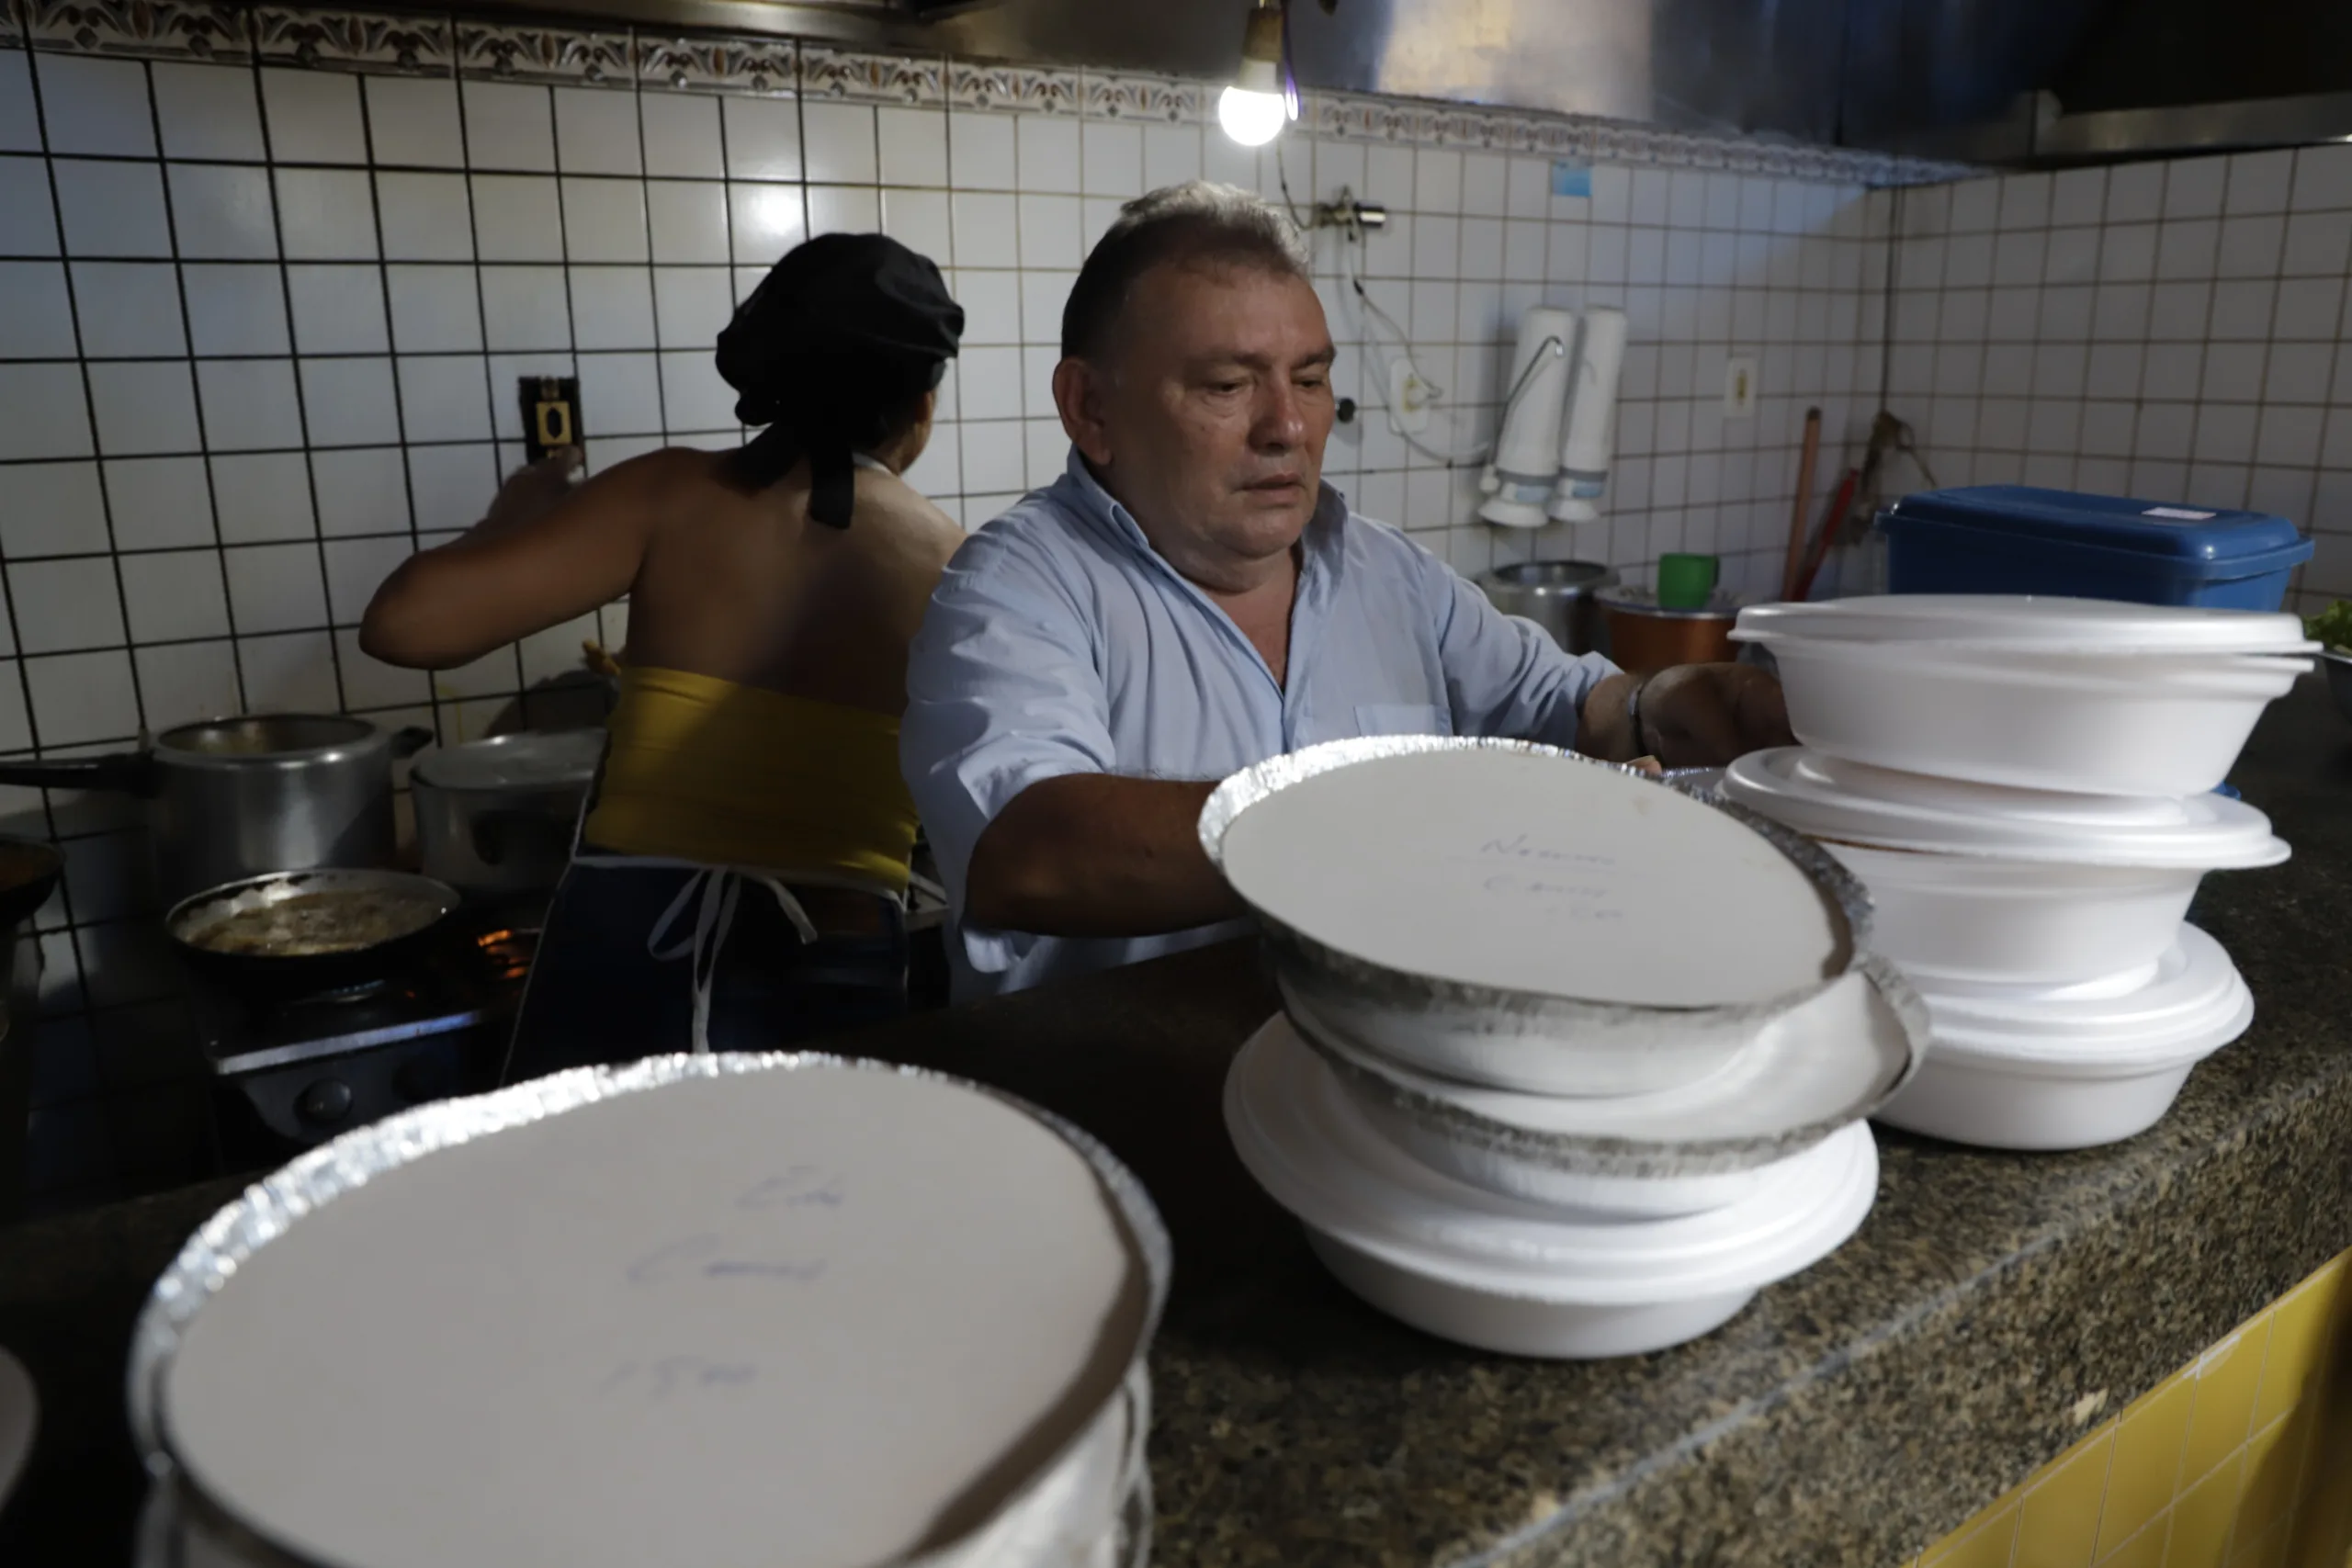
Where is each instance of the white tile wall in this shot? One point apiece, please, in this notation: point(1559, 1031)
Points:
point(348, 270)
point(260, 328)
point(2167, 331)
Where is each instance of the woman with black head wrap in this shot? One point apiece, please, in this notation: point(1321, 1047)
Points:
point(741, 871)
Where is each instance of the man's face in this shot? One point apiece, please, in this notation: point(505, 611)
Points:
point(1208, 418)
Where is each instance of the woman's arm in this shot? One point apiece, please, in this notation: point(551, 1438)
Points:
point(545, 554)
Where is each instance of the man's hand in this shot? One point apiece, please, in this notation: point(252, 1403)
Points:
point(1702, 716)
point(531, 491)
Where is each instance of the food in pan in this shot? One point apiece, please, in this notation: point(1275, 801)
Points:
point(311, 924)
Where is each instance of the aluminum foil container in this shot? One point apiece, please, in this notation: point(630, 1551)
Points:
point(1511, 1039)
point(271, 1206)
point(1400, 1099)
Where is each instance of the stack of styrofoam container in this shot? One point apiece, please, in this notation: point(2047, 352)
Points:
point(2026, 785)
point(1490, 1126)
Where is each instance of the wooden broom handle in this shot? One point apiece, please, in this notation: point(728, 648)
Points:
point(1800, 514)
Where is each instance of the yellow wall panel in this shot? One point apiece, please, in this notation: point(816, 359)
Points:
point(2299, 1325)
point(2203, 1516)
point(2241, 1459)
point(2145, 1475)
point(2228, 1377)
point(2058, 1527)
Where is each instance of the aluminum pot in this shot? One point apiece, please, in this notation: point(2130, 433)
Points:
point(1556, 594)
point(497, 816)
point(230, 798)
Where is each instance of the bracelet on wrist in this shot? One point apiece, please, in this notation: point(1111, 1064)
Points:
point(1634, 716)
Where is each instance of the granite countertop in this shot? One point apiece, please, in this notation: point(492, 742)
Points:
point(1991, 1308)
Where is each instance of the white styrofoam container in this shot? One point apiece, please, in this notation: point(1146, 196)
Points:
point(1619, 1197)
point(2017, 922)
point(1502, 1274)
point(2097, 725)
point(2070, 1071)
point(2066, 695)
point(1986, 886)
point(1522, 1326)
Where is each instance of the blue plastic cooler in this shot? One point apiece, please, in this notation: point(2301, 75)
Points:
point(2016, 539)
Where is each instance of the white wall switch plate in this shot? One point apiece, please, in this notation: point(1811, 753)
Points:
point(1739, 387)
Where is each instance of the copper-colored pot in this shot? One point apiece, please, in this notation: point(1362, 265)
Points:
point(1644, 639)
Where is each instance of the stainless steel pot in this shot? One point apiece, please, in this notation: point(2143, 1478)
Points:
point(497, 816)
point(230, 798)
point(1556, 594)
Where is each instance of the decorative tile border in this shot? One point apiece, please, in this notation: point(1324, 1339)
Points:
point(1121, 96)
point(353, 40)
point(978, 85)
point(364, 42)
point(559, 56)
point(766, 67)
point(860, 77)
point(148, 29)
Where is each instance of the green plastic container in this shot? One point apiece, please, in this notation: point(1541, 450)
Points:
point(1684, 582)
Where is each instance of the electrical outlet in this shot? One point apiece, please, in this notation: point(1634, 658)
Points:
point(1408, 397)
point(550, 414)
point(1739, 387)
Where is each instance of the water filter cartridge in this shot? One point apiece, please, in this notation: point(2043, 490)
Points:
point(1534, 386)
point(1592, 418)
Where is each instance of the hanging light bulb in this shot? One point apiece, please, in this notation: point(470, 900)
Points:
point(1254, 108)
point(1250, 118)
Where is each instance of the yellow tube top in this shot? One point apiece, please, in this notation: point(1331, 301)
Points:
point(705, 770)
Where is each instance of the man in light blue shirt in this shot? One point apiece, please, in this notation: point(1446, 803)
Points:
point(1189, 599)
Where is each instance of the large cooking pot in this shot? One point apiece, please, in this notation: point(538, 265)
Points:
point(1556, 594)
point(1643, 637)
point(234, 797)
point(497, 816)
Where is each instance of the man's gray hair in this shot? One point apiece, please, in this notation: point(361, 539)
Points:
point(1199, 221)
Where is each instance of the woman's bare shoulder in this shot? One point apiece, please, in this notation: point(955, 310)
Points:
point(665, 475)
point(908, 511)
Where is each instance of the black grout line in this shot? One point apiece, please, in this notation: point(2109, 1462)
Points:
point(442, 718)
point(653, 295)
point(212, 488)
point(301, 392)
point(78, 996)
point(391, 343)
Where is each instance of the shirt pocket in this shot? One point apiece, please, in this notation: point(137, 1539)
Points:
point(1402, 718)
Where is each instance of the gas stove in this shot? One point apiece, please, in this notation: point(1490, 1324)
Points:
point(290, 1071)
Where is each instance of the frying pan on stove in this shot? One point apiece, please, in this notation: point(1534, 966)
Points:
point(298, 931)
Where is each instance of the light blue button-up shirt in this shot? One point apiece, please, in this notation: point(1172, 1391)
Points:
point(1059, 642)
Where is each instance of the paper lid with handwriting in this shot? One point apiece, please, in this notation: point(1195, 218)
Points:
point(1534, 872)
point(830, 1317)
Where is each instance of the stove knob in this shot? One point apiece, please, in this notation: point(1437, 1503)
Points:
point(324, 1103)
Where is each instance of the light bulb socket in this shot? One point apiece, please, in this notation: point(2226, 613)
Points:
point(1261, 39)
point(1259, 76)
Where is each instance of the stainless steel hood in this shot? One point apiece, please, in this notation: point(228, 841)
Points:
point(2010, 82)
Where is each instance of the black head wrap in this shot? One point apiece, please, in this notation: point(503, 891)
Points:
point(836, 340)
